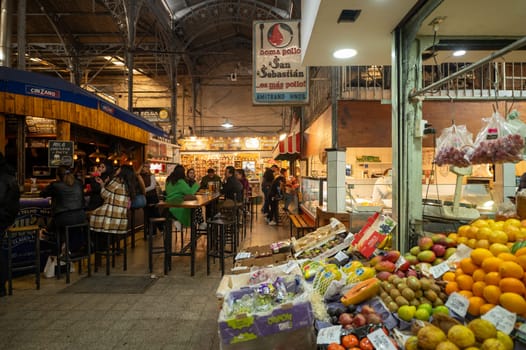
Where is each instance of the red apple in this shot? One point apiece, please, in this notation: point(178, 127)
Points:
point(359, 320)
point(345, 319)
point(367, 309)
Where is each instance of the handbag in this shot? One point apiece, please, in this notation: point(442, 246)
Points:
point(138, 202)
point(51, 264)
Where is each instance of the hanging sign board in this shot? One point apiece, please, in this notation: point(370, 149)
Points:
point(279, 77)
point(60, 153)
point(153, 114)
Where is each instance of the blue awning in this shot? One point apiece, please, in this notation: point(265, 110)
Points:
point(38, 85)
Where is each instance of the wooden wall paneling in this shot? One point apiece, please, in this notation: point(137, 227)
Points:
point(2, 101)
point(63, 130)
point(20, 105)
point(38, 107)
point(9, 103)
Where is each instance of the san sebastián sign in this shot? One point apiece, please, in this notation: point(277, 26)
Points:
point(279, 77)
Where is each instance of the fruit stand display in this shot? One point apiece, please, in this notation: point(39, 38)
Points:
point(461, 290)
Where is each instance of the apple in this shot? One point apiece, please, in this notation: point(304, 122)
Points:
point(359, 320)
point(367, 309)
point(438, 249)
point(345, 319)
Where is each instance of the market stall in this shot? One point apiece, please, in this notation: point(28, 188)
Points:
point(335, 290)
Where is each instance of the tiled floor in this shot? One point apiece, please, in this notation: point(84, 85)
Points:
point(176, 312)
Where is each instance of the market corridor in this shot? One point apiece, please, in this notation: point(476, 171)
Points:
point(175, 312)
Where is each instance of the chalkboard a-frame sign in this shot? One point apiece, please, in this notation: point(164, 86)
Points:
point(60, 153)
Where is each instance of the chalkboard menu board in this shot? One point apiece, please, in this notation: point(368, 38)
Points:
point(60, 154)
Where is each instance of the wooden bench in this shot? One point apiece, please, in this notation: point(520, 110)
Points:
point(301, 222)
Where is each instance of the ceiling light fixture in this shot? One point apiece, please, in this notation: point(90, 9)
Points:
point(227, 124)
point(97, 156)
point(344, 53)
point(459, 53)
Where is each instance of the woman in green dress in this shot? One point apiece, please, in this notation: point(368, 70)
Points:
point(176, 189)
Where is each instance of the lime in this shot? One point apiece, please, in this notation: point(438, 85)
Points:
point(406, 312)
point(441, 309)
point(422, 314)
point(427, 307)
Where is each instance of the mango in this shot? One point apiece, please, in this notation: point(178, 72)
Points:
point(427, 256)
point(385, 266)
point(392, 256)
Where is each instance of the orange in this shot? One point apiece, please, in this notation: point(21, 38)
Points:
point(453, 236)
point(472, 243)
point(497, 248)
point(480, 223)
point(478, 288)
point(513, 222)
point(521, 251)
point(521, 260)
point(511, 269)
point(507, 257)
point(482, 243)
point(511, 285)
point(513, 302)
point(491, 264)
point(478, 275)
point(465, 282)
point(512, 232)
point(472, 232)
point(468, 266)
point(485, 308)
point(483, 233)
point(462, 240)
point(465, 293)
point(448, 276)
point(498, 236)
point(458, 272)
point(451, 287)
point(474, 305)
point(492, 278)
point(478, 255)
point(462, 231)
point(491, 294)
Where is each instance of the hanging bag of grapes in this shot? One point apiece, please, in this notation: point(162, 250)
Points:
point(453, 145)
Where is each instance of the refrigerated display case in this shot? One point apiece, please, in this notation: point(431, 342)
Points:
point(314, 194)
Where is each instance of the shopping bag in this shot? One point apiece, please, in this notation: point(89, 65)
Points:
point(51, 264)
point(453, 145)
point(499, 141)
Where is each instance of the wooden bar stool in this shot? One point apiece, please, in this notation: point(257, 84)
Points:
point(15, 267)
point(152, 224)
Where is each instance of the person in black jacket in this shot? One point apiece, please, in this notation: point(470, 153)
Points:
point(67, 204)
point(275, 194)
point(9, 206)
point(231, 185)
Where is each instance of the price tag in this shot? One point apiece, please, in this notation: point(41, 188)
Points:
point(341, 256)
point(242, 255)
point(401, 260)
point(329, 335)
point(380, 340)
point(503, 320)
point(290, 266)
point(458, 304)
point(440, 269)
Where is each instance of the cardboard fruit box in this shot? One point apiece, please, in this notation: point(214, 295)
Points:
point(274, 319)
point(245, 265)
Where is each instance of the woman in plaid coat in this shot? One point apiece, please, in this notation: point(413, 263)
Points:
point(112, 216)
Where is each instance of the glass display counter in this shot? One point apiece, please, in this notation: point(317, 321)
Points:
point(314, 194)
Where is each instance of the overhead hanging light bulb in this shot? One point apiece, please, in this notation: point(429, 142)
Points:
point(227, 124)
point(97, 156)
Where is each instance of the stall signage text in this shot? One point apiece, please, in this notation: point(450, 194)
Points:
point(40, 91)
point(279, 77)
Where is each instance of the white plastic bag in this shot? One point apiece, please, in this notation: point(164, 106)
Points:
point(51, 264)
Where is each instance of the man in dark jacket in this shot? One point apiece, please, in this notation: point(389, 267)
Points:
point(9, 205)
point(275, 194)
point(232, 186)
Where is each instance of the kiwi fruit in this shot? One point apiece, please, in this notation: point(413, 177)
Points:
point(408, 293)
point(435, 288)
point(383, 295)
point(438, 302)
point(400, 300)
point(431, 295)
point(413, 283)
point(392, 278)
point(396, 280)
point(394, 293)
point(414, 302)
point(419, 293)
point(392, 306)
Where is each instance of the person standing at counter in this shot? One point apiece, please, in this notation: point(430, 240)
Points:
point(266, 182)
point(176, 189)
point(105, 172)
point(275, 195)
point(112, 216)
point(67, 205)
point(9, 205)
point(383, 187)
point(291, 192)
